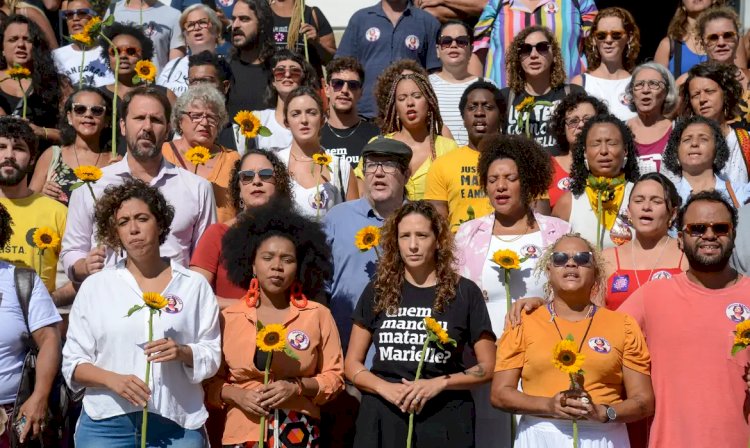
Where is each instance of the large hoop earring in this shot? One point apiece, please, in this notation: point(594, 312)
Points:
point(253, 293)
point(296, 296)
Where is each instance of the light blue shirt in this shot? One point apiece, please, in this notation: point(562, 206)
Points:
point(741, 192)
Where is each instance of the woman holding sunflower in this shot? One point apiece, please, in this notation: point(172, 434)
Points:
point(576, 361)
point(415, 280)
point(107, 350)
point(282, 260)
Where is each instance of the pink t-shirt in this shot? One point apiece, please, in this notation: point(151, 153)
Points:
point(699, 387)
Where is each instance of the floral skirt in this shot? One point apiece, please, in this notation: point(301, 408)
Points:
point(288, 429)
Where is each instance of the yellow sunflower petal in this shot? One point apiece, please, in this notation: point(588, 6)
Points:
point(272, 338)
point(18, 72)
point(367, 238)
point(566, 357)
point(742, 333)
point(249, 123)
point(198, 155)
point(45, 238)
point(146, 70)
point(322, 159)
point(507, 259)
point(88, 173)
point(154, 300)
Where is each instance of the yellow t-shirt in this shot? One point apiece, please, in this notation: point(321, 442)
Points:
point(415, 186)
point(614, 342)
point(453, 178)
point(28, 214)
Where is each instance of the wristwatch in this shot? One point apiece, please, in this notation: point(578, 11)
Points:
point(611, 413)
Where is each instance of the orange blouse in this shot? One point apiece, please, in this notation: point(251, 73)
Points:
point(317, 345)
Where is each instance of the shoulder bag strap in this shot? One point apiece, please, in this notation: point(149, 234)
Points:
point(730, 190)
point(24, 279)
point(677, 58)
point(177, 155)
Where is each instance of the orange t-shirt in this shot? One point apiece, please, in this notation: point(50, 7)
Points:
point(614, 341)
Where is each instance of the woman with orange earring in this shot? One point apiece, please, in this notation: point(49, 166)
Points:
point(282, 259)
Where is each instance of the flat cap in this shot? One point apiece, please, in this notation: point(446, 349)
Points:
point(388, 147)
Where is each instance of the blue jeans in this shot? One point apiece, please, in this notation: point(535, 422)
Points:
point(124, 431)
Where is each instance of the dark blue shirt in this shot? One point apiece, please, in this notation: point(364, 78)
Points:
point(371, 38)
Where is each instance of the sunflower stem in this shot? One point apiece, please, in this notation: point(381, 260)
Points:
point(144, 423)
point(23, 92)
point(304, 36)
point(91, 189)
point(41, 261)
point(575, 433)
point(83, 62)
point(508, 302)
point(416, 377)
point(262, 438)
point(600, 219)
point(114, 97)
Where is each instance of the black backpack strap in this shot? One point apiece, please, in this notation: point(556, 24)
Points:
point(677, 58)
point(174, 67)
point(24, 279)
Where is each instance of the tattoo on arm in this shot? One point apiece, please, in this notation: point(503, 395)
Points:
point(477, 371)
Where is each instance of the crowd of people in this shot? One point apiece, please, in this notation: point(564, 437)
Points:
point(466, 223)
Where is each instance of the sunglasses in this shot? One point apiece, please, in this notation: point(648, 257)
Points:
point(560, 259)
point(82, 109)
point(77, 13)
point(697, 229)
point(726, 35)
point(247, 176)
point(616, 34)
point(541, 48)
point(446, 41)
point(295, 73)
point(338, 84)
point(127, 51)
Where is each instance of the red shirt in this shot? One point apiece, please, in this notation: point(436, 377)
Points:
point(560, 182)
point(207, 255)
point(623, 282)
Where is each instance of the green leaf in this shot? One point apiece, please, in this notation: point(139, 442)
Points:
point(291, 353)
point(453, 342)
point(134, 309)
point(440, 346)
point(76, 185)
point(736, 348)
point(259, 325)
point(264, 132)
point(570, 337)
point(109, 20)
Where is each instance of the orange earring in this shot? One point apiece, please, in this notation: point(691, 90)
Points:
point(253, 293)
point(297, 296)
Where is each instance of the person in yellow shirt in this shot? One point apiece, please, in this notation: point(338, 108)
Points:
point(453, 184)
point(28, 210)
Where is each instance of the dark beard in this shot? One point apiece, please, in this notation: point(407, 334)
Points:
point(14, 179)
point(700, 263)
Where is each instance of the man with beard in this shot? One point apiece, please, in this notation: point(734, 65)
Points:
point(452, 181)
point(30, 211)
point(145, 126)
point(699, 385)
point(252, 47)
point(345, 132)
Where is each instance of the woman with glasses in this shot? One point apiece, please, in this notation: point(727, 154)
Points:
point(84, 131)
point(197, 117)
point(610, 348)
point(453, 77)
point(611, 51)
point(536, 83)
point(653, 98)
point(133, 46)
point(68, 58)
point(201, 30)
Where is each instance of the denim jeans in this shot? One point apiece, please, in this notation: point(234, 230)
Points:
point(124, 431)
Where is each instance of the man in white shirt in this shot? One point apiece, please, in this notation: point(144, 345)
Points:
point(145, 125)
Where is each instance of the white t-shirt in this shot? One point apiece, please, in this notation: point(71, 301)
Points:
point(612, 92)
point(317, 200)
point(735, 170)
point(449, 95)
point(174, 76)
point(68, 63)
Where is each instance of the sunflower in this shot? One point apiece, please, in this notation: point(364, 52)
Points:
point(566, 357)
point(322, 159)
point(367, 238)
point(526, 103)
point(88, 173)
point(92, 25)
point(45, 238)
point(742, 333)
point(146, 71)
point(18, 73)
point(432, 325)
point(507, 259)
point(154, 300)
point(82, 39)
point(248, 122)
point(271, 338)
point(198, 155)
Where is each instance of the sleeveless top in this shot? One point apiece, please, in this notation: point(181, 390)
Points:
point(61, 173)
point(560, 183)
point(682, 58)
point(612, 92)
point(624, 282)
point(583, 220)
point(650, 154)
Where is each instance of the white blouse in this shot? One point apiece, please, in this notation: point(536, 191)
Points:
point(102, 335)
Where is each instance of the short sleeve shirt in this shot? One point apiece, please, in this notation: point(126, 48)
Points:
point(398, 337)
point(207, 256)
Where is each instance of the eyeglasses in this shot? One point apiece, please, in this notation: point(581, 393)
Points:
point(573, 122)
point(81, 109)
point(197, 117)
point(338, 84)
point(196, 25)
point(446, 41)
point(560, 259)
point(697, 229)
point(128, 51)
point(208, 80)
point(389, 167)
point(295, 73)
point(651, 83)
point(713, 39)
point(69, 14)
point(541, 48)
point(247, 176)
point(616, 34)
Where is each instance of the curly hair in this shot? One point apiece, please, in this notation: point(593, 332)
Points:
point(678, 26)
point(579, 172)
point(670, 101)
point(68, 134)
point(389, 277)
point(6, 226)
point(16, 128)
point(725, 76)
point(208, 96)
point(570, 102)
point(516, 75)
point(105, 212)
point(382, 89)
point(707, 196)
point(500, 103)
point(241, 242)
point(281, 177)
point(134, 31)
point(632, 33)
point(345, 63)
point(598, 291)
point(671, 155)
point(44, 78)
point(533, 163)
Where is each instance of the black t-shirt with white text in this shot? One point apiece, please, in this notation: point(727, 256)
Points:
point(399, 337)
point(348, 143)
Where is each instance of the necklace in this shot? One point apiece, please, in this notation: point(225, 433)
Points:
point(75, 153)
point(653, 267)
point(303, 159)
point(590, 313)
point(347, 135)
point(515, 238)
